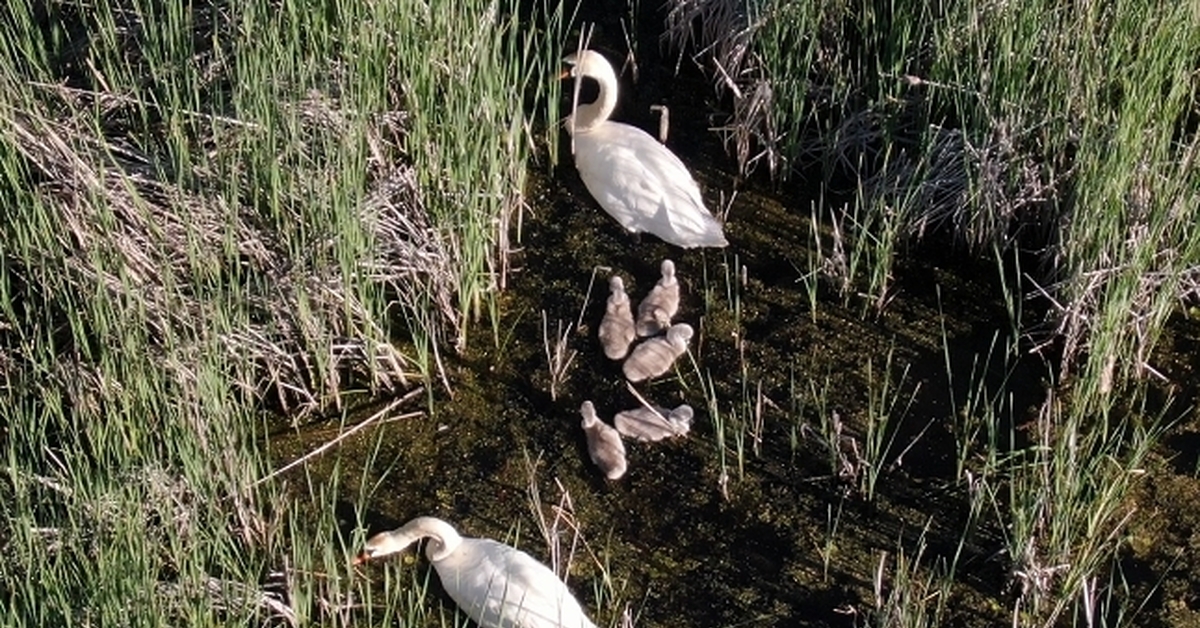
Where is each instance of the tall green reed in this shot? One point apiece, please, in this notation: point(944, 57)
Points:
point(1067, 507)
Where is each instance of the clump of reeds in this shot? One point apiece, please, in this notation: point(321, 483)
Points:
point(1067, 504)
point(214, 210)
point(991, 123)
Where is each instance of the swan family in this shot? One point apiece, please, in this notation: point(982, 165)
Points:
point(637, 180)
point(497, 585)
point(646, 188)
point(651, 358)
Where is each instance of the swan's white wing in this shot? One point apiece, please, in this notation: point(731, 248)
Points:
point(500, 586)
point(616, 178)
point(541, 597)
point(644, 186)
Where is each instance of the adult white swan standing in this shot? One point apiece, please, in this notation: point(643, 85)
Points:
point(494, 584)
point(635, 179)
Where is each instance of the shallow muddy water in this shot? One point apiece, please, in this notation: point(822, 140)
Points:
point(782, 541)
point(683, 550)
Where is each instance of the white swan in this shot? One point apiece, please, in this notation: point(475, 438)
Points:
point(656, 355)
point(616, 328)
point(638, 181)
point(604, 443)
point(654, 424)
point(494, 584)
point(655, 311)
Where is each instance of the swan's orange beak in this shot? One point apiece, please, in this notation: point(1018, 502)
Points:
point(564, 74)
point(361, 558)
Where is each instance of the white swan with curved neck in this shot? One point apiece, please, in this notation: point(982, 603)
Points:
point(637, 180)
point(496, 585)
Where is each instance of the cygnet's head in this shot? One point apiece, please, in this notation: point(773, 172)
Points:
point(589, 414)
point(679, 334)
point(683, 414)
point(616, 286)
point(668, 272)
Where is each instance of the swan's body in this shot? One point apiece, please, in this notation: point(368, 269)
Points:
point(637, 180)
point(655, 311)
point(616, 328)
point(654, 424)
point(656, 355)
point(494, 584)
point(604, 443)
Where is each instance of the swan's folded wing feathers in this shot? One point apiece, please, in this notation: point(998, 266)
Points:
point(536, 596)
point(615, 162)
point(469, 571)
point(514, 589)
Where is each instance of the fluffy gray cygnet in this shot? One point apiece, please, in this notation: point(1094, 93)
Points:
point(604, 443)
point(616, 328)
point(654, 424)
point(655, 311)
point(656, 355)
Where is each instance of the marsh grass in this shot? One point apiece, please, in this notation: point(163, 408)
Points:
point(222, 215)
point(559, 355)
point(565, 541)
point(1068, 508)
point(720, 423)
point(858, 451)
point(828, 547)
point(977, 416)
point(737, 406)
point(884, 415)
point(909, 592)
point(1001, 128)
point(216, 212)
point(828, 431)
point(997, 125)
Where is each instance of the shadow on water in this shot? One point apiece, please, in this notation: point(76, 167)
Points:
point(689, 555)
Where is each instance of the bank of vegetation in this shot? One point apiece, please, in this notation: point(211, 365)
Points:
point(220, 216)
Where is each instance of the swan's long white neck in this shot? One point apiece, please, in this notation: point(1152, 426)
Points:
point(591, 115)
point(443, 538)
